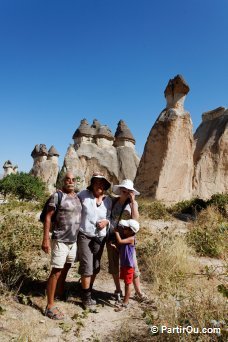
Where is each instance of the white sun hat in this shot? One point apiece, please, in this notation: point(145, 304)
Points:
point(134, 225)
point(127, 184)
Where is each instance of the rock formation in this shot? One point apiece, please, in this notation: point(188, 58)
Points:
point(45, 165)
point(211, 154)
point(9, 168)
point(95, 148)
point(166, 167)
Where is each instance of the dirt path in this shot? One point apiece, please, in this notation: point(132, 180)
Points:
point(25, 322)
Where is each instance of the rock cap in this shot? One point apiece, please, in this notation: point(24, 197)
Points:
point(123, 132)
point(177, 85)
point(53, 152)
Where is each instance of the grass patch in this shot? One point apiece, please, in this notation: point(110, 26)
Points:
point(154, 210)
point(209, 234)
point(185, 292)
point(165, 260)
point(21, 236)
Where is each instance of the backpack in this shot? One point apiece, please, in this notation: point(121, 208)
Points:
point(45, 208)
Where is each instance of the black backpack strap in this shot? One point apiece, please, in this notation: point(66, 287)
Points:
point(60, 196)
point(123, 206)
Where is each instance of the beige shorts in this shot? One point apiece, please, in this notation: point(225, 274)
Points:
point(62, 253)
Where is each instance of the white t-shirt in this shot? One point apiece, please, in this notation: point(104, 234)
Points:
point(91, 213)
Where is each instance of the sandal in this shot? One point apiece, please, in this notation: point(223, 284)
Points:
point(142, 297)
point(54, 313)
point(121, 307)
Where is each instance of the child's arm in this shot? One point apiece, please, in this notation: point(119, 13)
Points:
point(121, 241)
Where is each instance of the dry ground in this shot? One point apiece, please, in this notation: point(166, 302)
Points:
point(22, 320)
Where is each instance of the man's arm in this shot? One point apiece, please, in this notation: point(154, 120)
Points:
point(121, 241)
point(46, 246)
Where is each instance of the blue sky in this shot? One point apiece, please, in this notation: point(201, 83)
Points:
point(62, 61)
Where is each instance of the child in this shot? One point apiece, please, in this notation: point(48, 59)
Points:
point(127, 250)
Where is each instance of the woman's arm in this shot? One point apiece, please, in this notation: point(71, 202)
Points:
point(134, 206)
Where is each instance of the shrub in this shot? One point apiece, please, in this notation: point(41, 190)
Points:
point(24, 186)
point(154, 210)
point(195, 205)
point(21, 237)
point(209, 234)
point(221, 202)
point(188, 207)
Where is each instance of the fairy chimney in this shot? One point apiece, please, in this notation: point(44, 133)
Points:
point(83, 134)
point(103, 136)
point(39, 153)
point(123, 136)
point(95, 149)
point(53, 155)
point(45, 165)
point(211, 154)
point(8, 168)
point(166, 167)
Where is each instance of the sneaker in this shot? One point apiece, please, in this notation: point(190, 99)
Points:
point(88, 303)
point(142, 297)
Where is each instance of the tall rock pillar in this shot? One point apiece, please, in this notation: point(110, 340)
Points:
point(211, 154)
point(166, 167)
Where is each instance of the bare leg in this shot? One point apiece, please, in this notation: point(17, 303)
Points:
point(137, 286)
point(51, 286)
point(127, 293)
point(62, 279)
point(86, 281)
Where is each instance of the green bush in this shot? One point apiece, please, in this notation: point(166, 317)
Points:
point(221, 202)
point(24, 186)
point(195, 205)
point(191, 207)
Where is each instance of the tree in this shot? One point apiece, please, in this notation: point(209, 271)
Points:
point(24, 186)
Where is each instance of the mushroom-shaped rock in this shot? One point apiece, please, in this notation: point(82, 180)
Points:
point(53, 152)
point(39, 150)
point(84, 130)
point(7, 164)
point(177, 85)
point(175, 94)
point(104, 132)
point(96, 124)
point(123, 133)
